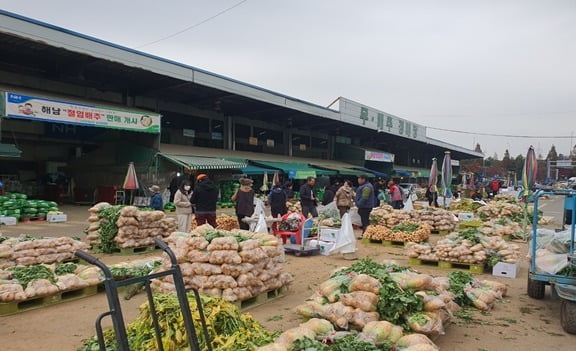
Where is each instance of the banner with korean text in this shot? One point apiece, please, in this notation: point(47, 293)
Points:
point(58, 111)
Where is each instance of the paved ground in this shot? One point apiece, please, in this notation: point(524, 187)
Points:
point(517, 323)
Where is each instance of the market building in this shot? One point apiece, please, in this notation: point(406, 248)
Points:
point(76, 110)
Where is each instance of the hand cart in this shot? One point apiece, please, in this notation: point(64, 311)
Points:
point(115, 311)
point(563, 285)
point(303, 248)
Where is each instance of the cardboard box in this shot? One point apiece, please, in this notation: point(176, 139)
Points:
point(507, 270)
point(325, 247)
point(329, 234)
point(466, 216)
point(8, 221)
point(56, 218)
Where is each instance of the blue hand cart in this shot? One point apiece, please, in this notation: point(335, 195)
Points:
point(564, 285)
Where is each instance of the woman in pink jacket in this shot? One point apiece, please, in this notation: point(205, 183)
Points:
point(395, 195)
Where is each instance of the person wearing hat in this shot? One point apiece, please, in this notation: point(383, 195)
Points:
point(204, 199)
point(244, 199)
point(156, 202)
point(364, 200)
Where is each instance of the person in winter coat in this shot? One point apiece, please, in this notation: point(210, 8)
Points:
point(365, 200)
point(395, 195)
point(288, 190)
point(183, 206)
point(204, 199)
point(156, 202)
point(244, 199)
point(328, 197)
point(344, 197)
point(307, 198)
point(432, 196)
point(277, 200)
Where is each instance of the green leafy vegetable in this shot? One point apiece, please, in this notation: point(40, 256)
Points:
point(307, 344)
point(458, 283)
point(65, 268)
point(394, 302)
point(407, 227)
point(108, 228)
point(26, 274)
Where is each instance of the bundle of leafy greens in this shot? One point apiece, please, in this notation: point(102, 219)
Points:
point(458, 283)
point(394, 302)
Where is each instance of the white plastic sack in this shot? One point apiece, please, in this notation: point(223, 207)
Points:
point(258, 205)
point(447, 203)
point(261, 226)
point(550, 263)
point(355, 217)
point(328, 210)
point(345, 241)
point(408, 205)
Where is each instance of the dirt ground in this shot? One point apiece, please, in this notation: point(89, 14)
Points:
point(516, 323)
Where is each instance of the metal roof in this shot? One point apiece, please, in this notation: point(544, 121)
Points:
point(23, 28)
point(202, 163)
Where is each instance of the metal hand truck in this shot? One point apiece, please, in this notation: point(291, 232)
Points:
point(115, 311)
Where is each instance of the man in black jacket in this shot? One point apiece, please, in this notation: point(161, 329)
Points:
point(307, 198)
point(204, 199)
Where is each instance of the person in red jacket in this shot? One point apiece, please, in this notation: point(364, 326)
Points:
point(495, 186)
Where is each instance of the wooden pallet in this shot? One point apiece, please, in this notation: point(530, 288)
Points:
point(471, 267)
point(387, 243)
point(261, 299)
point(41, 302)
point(129, 251)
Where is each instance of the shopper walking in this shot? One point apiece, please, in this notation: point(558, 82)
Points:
point(432, 196)
point(156, 202)
point(277, 201)
point(395, 196)
point(244, 199)
point(307, 198)
point(288, 190)
point(344, 197)
point(329, 194)
point(365, 200)
point(183, 206)
point(204, 199)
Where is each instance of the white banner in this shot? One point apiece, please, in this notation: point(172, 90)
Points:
point(57, 111)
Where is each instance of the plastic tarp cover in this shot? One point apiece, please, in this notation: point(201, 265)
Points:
point(345, 242)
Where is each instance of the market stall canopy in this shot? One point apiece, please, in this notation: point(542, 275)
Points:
point(250, 169)
point(402, 172)
point(9, 150)
point(376, 173)
point(340, 167)
point(295, 170)
point(205, 163)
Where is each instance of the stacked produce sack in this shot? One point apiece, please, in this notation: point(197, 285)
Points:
point(437, 219)
point(360, 297)
point(26, 250)
point(466, 247)
point(112, 227)
point(233, 265)
point(500, 209)
point(502, 227)
point(21, 283)
point(140, 228)
point(404, 231)
point(319, 334)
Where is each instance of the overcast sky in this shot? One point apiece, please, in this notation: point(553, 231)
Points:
point(491, 66)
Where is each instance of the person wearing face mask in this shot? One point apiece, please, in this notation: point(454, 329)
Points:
point(183, 206)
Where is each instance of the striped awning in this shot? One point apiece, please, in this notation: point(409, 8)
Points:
point(203, 163)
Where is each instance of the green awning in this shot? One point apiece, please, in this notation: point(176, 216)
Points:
point(203, 163)
point(251, 169)
point(9, 150)
point(335, 169)
point(295, 170)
